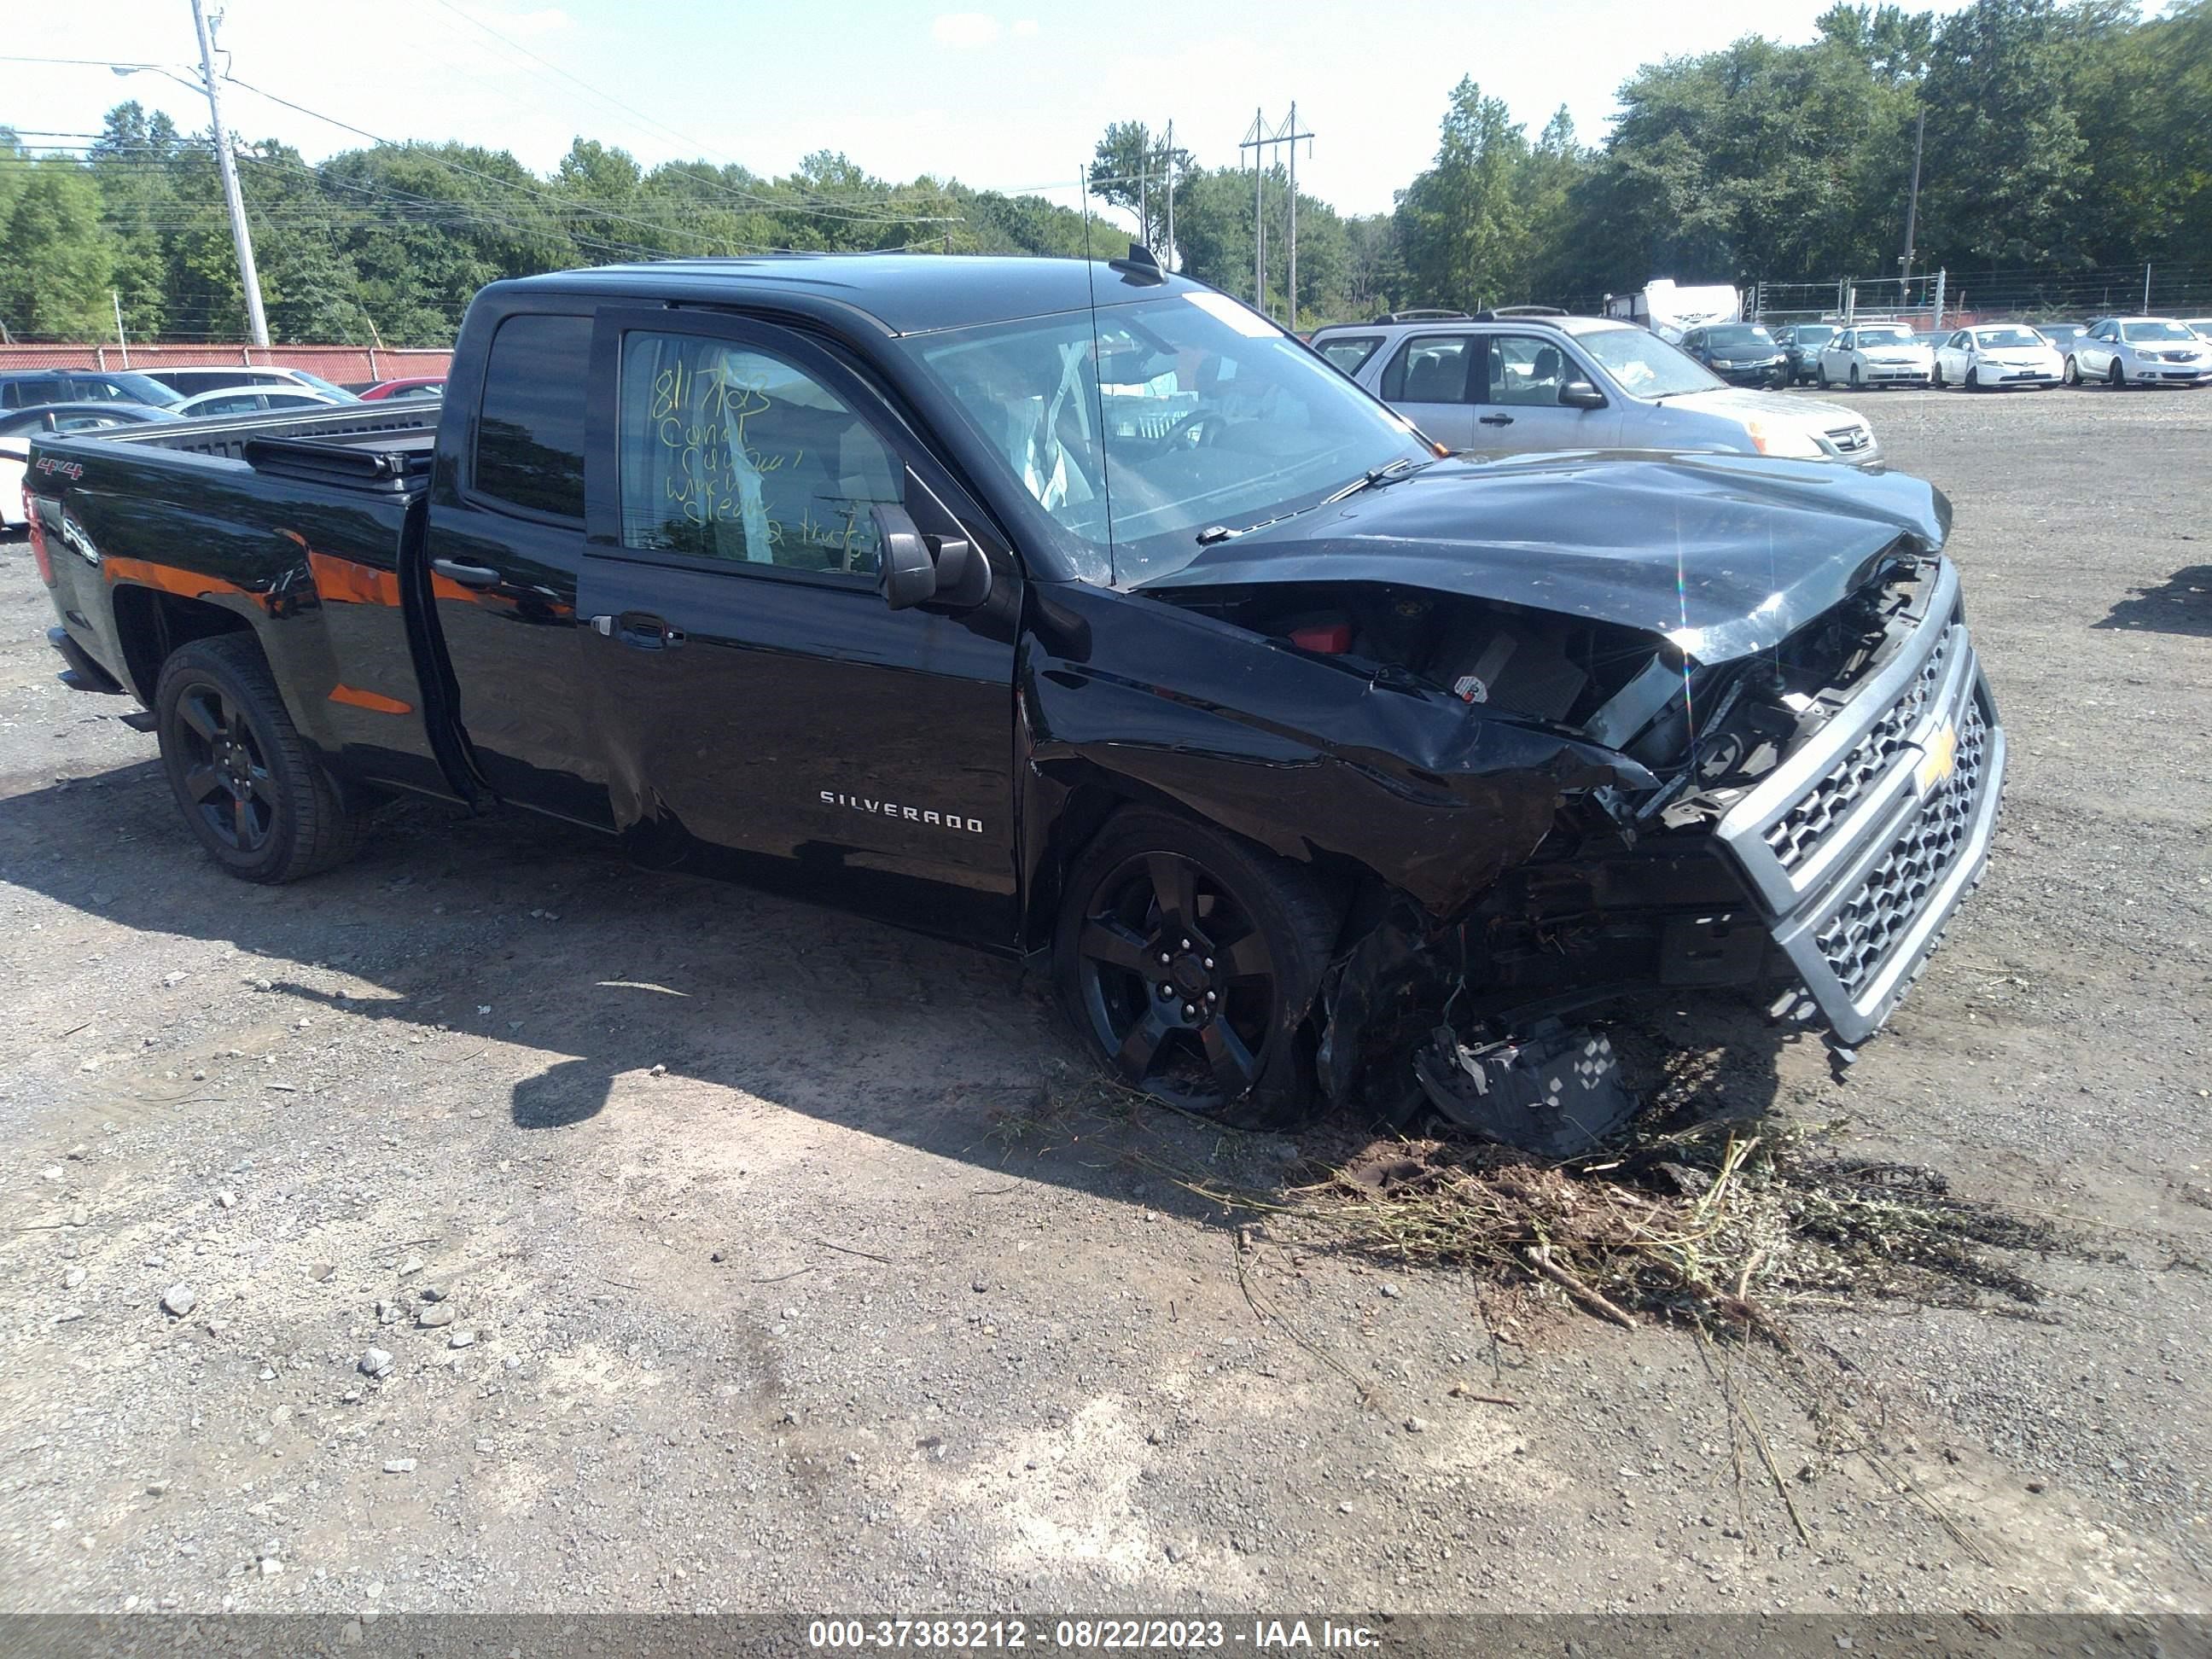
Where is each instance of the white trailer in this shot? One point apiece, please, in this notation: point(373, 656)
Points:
point(1670, 310)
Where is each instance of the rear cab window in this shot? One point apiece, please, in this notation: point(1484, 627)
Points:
point(530, 427)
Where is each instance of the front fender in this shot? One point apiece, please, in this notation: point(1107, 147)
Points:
point(1303, 754)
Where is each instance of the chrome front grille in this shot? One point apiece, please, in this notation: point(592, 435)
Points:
point(1857, 851)
point(1850, 439)
point(1866, 927)
point(1799, 832)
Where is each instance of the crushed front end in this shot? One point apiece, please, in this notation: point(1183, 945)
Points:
point(1823, 805)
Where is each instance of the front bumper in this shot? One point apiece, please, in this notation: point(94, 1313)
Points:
point(1896, 374)
point(1859, 847)
point(1754, 374)
point(2166, 373)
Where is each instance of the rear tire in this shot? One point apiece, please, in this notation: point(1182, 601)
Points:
point(265, 810)
point(1246, 936)
point(1936, 379)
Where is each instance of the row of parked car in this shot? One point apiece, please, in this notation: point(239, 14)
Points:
point(1528, 377)
point(1987, 356)
point(86, 399)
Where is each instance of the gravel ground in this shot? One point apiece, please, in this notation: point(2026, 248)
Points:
point(767, 1277)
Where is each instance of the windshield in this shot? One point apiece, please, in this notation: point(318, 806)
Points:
point(1885, 337)
point(2008, 336)
point(1210, 416)
point(145, 389)
point(2155, 331)
point(1741, 339)
point(323, 386)
point(1645, 365)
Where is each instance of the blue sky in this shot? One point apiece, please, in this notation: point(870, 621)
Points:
point(1011, 98)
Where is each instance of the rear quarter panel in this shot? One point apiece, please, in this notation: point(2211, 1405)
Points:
point(312, 571)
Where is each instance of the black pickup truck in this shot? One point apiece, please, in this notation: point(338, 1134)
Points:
point(1070, 610)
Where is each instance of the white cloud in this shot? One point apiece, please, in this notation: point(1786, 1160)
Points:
point(964, 29)
point(1025, 28)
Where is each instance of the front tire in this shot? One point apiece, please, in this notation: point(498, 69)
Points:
point(1854, 376)
point(1973, 380)
point(264, 808)
point(1220, 1027)
point(2072, 372)
point(2118, 378)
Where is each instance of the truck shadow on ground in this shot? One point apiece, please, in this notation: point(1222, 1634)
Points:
point(527, 932)
point(2182, 605)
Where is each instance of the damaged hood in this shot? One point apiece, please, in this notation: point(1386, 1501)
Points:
point(1723, 554)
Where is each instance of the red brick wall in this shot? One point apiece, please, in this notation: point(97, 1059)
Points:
point(347, 365)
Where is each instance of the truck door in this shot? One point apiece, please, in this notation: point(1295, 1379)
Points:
point(506, 540)
point(764, 711)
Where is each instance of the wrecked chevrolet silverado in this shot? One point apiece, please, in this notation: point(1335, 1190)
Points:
point(1075, 612)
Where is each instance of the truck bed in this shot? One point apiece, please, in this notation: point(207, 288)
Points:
point(379, 445)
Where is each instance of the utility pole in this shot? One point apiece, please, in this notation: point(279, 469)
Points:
point(248, 278)
point(1259, 140)
point(2146, 290)
point(1259, 218)
point(1170, 170)
point(120, 340)
point(1912, 210)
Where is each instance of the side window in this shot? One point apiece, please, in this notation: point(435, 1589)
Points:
point(28, 394)
point(1430, 369)
point(1528, 369)
point(530, 431)
point(1349, 352)
point(729, 454)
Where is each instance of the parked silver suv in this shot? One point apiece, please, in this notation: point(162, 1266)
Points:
point(1527, 378)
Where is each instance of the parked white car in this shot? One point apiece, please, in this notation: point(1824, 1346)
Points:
point(2201, 326)
point(1876, 354)
point(250, 400)
point(194, 379)
point(2140, 351)
point(1996, 355)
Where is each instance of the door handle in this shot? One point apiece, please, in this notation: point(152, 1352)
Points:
point(1495, 419)
point(638, 629)
point(468, 575)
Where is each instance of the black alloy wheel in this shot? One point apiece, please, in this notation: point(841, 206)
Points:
point(225, 780)
point(260, 802)
point(1189, 961)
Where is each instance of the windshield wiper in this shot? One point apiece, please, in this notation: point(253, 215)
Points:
point(1375, 478)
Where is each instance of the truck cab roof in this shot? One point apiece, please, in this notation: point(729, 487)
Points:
point(899, 294)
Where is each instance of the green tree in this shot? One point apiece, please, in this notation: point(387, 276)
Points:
point(55, 279)
point(2005, 157)
point(1462, 221)
point(1130, 167)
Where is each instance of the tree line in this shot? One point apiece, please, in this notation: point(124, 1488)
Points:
point(2054, 136)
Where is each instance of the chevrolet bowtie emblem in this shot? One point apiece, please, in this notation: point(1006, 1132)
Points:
point(1943, 754)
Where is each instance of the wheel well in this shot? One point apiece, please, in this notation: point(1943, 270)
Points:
point(1351, 891)
point(150, 624)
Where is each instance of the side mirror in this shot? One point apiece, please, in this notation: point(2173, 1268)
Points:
point(913, 568)
point(906, 574)
point(1581, 394)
